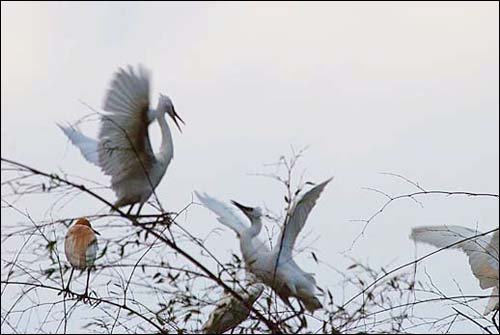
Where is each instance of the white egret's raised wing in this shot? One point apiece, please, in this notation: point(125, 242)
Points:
point(124, 146)
point(297, 219)
point(88, 146)
point(493, 250)
point(482, 254)
point(225, 214)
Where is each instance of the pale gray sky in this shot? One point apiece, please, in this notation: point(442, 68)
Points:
point(407, 88)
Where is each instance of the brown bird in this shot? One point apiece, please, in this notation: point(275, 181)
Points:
point(80, 246)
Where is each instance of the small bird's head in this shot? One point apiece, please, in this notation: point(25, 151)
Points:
point(85, 222)
point(165, 105)
point(251, 212)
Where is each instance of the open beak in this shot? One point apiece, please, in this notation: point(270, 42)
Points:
point(176, 117)
point(244, 209)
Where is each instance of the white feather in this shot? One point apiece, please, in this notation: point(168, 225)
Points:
point(300, 212)
point(88, 146)
point(225, 214)
point(482, 252)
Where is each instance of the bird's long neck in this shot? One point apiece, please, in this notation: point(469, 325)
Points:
point(252, 232)
point(255, 228)
point(166, 148)
point(247, 242)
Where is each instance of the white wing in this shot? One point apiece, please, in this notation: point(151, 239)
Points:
point(87, 145)
point(125, 150)
point(493, 250)
point(298, 218)
point(483, 255)
point(225, 214)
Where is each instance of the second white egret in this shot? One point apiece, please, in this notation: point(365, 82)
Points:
point(275, 268)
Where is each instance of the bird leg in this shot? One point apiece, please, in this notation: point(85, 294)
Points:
point(139, 210)
point(85, 297)
point(494, 320)
point(87, 287)
point(66, 289)
point(295, 313)
point(301, 316)
point(130, 209)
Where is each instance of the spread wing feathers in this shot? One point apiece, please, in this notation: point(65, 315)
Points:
point(298, 218)
point(125, 150)
point(225, 214)
point(483, 255)
point(88, 146)
point(230, 312)
point(493, 250)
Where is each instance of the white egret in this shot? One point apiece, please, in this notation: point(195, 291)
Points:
point(80, 247)
point(230, 311)
point(123, 149)
point(482, 252)
point(275, 268)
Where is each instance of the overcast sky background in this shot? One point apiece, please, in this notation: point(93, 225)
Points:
point(406, 88)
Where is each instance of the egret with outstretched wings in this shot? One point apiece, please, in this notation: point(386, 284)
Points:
point(123, 149)
point(275, 268)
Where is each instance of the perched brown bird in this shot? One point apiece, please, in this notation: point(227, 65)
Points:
point(80, 246)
